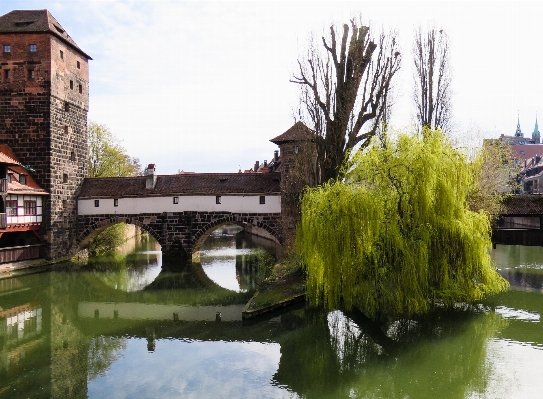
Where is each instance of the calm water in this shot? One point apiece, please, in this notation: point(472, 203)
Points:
point(135, 327)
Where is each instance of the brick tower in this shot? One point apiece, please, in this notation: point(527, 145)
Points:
point(298, 154)
point(44, 100)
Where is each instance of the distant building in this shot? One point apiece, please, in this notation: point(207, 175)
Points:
point(519, 139)
point(527, 152)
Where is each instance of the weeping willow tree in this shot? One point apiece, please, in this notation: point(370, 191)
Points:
point(396, 235)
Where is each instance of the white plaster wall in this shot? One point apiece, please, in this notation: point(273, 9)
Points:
point(21, 218)
point(229, 203)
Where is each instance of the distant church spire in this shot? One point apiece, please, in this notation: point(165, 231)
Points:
point(518, 133)
point(536, 136)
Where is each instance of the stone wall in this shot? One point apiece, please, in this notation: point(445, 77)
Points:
point(298, 170)
point(178, 231)
point(43, 118)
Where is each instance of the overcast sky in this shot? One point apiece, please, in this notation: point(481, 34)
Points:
point(203, 86)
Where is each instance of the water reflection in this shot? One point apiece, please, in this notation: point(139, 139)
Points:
point(236, 260)
point(179, 334)
point(521, 266)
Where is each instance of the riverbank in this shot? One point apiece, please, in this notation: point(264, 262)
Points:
point(285, 287)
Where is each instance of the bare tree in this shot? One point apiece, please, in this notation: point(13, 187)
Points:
point(432, 79)
point(344, 85)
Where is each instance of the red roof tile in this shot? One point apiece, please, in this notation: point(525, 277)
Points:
point(8, 158)
point(184, 184)
point(525, 151)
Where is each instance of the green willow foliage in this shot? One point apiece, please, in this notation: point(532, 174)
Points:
point(396, 235)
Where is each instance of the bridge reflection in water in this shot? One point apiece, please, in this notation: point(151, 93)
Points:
point(136, 346)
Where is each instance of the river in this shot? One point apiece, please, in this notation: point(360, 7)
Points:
point(133, 326)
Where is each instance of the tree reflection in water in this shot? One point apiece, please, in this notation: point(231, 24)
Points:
point(102, 352)
point(443, 354)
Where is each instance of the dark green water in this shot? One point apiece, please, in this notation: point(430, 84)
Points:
point(132, 327)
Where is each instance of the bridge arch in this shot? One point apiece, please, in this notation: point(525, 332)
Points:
point(246, 222)
point(94, 229)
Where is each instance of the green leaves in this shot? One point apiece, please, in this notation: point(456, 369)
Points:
point(396, 233)
point(107, 158)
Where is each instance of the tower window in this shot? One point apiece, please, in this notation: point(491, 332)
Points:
point(65, 178)
point(31, 74)
point(72, 156)
point(7, 74)
point(67, 106)
point(96, 203)
point(71, 84)
point(32, 48)
point(66, 129)
point(262, 199)
point(7, 48)
point(78, 65)
point(218, 199)
point(61, 54)
point(80, 88)
point(116, 202)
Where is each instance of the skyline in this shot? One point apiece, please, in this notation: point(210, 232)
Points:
point(203, 87)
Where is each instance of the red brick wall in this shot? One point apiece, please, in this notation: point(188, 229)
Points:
point(43, 134)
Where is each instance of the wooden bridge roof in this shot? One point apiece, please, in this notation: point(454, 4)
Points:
point(525, 204)
point(183, 184)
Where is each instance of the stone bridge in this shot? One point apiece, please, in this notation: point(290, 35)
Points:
point(180, 211)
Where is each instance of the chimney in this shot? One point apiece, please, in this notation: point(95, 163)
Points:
point(256, 166)
point(276, 156)
point(265, 163)
point(150, 179)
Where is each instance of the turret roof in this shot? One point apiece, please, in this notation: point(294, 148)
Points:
point(298, 132)
point(36, 21)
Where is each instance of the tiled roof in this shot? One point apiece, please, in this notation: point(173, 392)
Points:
point(35, 21)
point(526, 151)
point(185, 184)
point(31, 187)
point(525, 204)
point(7, 156)
point(298, 132)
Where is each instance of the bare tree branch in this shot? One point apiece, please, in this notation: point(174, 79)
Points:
point(343, 91)
point(432, 79)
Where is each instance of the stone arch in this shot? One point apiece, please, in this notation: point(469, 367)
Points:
point(246, 222)
point(92, 230)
